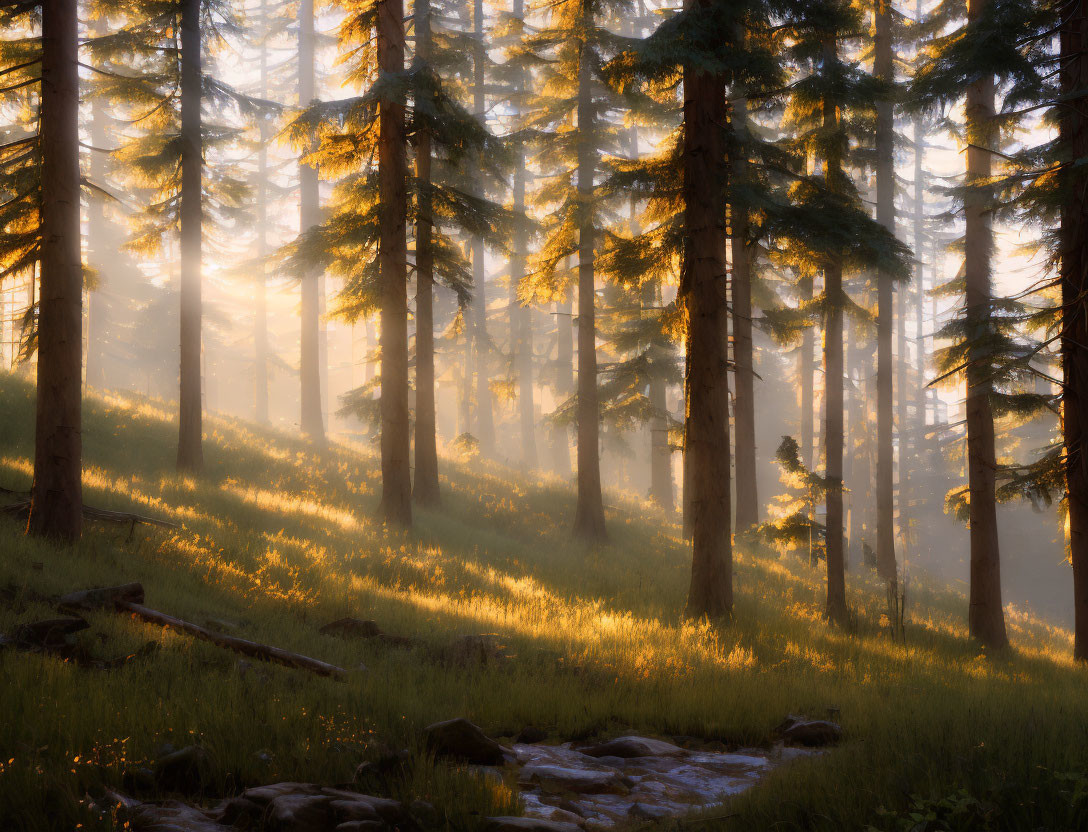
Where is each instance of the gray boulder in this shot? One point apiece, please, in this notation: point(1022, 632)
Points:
point(557, 779)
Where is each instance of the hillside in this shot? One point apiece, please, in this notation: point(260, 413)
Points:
point(279, 538)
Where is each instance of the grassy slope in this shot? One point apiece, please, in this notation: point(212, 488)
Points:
point(279, 538)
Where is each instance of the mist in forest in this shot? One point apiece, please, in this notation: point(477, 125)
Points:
point(540, 218)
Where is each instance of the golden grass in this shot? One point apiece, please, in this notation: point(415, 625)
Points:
point(280, 536)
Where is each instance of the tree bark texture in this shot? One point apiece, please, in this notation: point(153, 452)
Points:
point(57, 493)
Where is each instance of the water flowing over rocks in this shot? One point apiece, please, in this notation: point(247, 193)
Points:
point(611, 784)
point(564, 788)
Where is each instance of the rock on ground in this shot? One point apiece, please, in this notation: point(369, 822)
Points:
point(627, 747)
point(187, 770)
point(281, 807)
point(463, 740)
point(557, 779)
point(480, 650)
point(810, 732)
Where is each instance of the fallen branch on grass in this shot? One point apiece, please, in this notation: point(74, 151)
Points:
point(130, 598)
point(103, 515)
point(106, 596)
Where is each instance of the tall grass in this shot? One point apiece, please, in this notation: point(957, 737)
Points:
point(279, 537)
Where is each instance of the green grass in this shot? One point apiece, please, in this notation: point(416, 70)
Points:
point(280, 537)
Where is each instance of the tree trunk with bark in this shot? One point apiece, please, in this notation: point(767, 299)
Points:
point(744, 407)
point(521, 317)
point(806, 361)
point(485, 418)
point(312, 418)
point(986, 620)
point(56, 500)
point(589, 517)
point(97, 236)
point(190, 422)
point(260, 316)
point(425, 489)
point(1073, 135)
point(393, 267)
point(564, 381)
point(833, 365)
point(883, 69)
point(908, 494)
point(661, 484)
point(707, 419)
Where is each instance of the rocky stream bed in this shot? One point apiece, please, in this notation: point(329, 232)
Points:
point(627, 781)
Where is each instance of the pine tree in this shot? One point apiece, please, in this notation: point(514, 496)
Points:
point(312, 418)
point(884, 70)
point(987, 347)
point(742, 250)
point(842, 236)
point(99, 232)
point(705, 47)
point(56, 496)
point(361, 240)
point(1073, 251)
point(164, 42)
point(516, 72)
point(575, 45)
point(707, 429)
point(986, 620)
point(191, 216)
point(393, 267)
point(425, 489)
point(481, 342)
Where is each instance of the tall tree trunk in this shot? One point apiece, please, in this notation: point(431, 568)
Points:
point(190, 427)
point(707, 419)
point(589, 517)
point(855, 411)
point(908, 495)
point(687, 488)
point(1073, 136)
point(883, 68)
point(393, 267)
point(521, 317)
point(97, 235)
point(464, 400)
point(661, 485)
point(485, 419)
point(260, 316)
point(425, 489)
point(564, 381)
point(805, 365)
point(986, 619)
point(313, 422)
point(744, 406)
point(56, 502)
point(833, 355)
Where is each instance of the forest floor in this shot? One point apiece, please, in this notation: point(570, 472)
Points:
point(278, 537)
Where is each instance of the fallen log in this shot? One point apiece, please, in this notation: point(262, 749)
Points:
point(104, 596)
point(103, 515)
point(239, 645)
point(109, 516)
point(130, 598)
